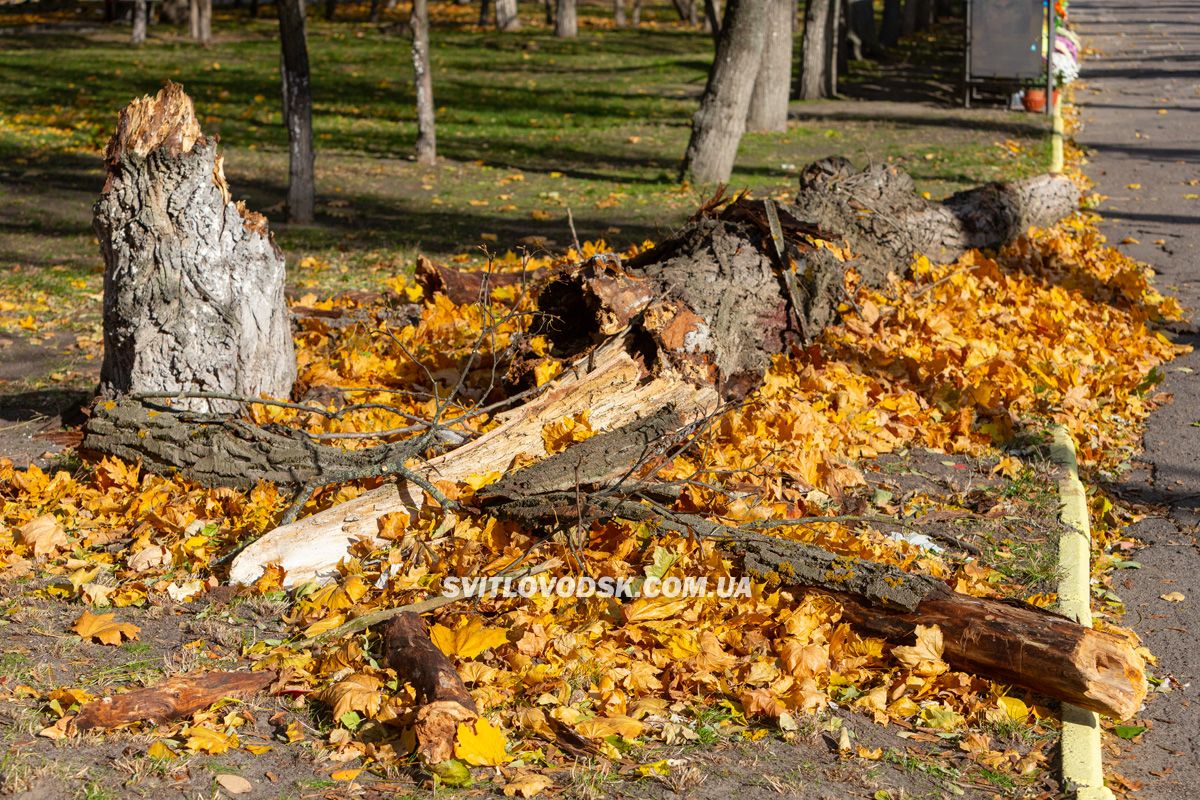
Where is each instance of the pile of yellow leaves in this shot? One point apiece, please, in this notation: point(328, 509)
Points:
point(1056, 327)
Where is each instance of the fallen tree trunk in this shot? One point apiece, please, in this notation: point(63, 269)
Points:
point(172, 699)
point(689, 322)
point(1019, 644)
point(445, 701)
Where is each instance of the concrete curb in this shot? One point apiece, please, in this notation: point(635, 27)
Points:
point(1056, 137)
point(1082, 767)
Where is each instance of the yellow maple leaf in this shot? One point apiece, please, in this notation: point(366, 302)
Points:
point(161, 750)
point(467, 639)
point(481, 745)
point(560, 434)
point(43, 535)
point(600, 727)
point(104, 628)
point(527, 784)
point(925, 657)
point(206, 740)
point(358, 692)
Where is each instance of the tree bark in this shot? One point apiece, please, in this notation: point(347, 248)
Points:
point(506, 15)
point(1020, 644)
point(833, 48)
point(566, 23)
point(194, 19)
point(712, 16)
point(193, 282)
point(423, 80)
point(772, 86)
point(718, 125)
point(635, 17)
point(445, 701)
point(297, 111)
point(814, 53)
point(140, 13)
point(889, 26)
point(172, 699)
point(908, 18)
point(860, 23)
point(619, 13)
point(204, 22)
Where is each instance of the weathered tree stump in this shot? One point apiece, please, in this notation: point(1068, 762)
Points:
point(193, 281)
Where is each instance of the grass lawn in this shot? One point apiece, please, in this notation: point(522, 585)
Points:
point(528, 126)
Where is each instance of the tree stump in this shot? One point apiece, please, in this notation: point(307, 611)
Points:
point(193, 282)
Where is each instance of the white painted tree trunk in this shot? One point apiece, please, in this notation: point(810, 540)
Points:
point(506, 15)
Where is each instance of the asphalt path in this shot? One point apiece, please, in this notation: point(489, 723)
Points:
point(1140, 127)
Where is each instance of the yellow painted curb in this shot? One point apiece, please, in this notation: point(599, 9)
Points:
point(1081, 762)
point(1056, 137)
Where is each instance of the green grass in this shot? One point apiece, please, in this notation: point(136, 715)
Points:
point(529, 126)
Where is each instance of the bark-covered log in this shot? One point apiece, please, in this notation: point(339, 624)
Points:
point(214, 450)
point(172, 699)
point(718, 125)
point(1019, 644)
point(193, 282)
point(445, 701)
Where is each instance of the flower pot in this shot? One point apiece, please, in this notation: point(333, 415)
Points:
point(1035, 100)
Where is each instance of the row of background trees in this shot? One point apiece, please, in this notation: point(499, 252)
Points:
point(748, 89)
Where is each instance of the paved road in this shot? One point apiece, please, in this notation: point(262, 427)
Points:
point(1148, 62)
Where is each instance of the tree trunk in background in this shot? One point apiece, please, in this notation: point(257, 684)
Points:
point(772, 86)
point(908, 20)
point(194, 19)
point(619, 13)
point(814, 55)
point(376, 7)
point(140, 12)
point(483, 12)
point(297, 111)
point(635, 17)
point(718, 126)
point(833, 48)
point(860, 21)
point(548, 8)
point(926, 14)
point(330, 9)
point(506, 15)
point(423, 80)
point(889, 27)
point(193, 282)
point(254, 9)
point(712, 16)
point(205, 22)
point(566, 24)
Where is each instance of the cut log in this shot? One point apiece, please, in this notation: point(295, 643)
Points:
point(1022, 645)
point(445, 701)
point(193, 282)
point(172, 699)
